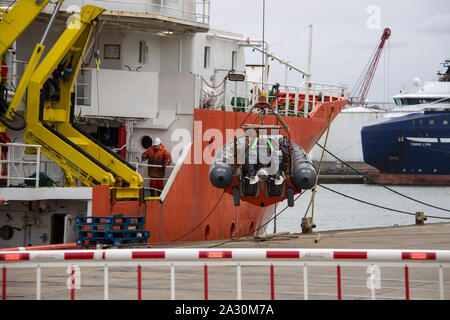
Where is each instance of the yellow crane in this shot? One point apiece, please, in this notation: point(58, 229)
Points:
point(12, 24)
point(49, 120)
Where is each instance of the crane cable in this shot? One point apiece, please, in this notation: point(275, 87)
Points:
point(376, 205)
point(380, 184)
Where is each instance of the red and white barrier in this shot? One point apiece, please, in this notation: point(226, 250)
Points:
point(338, 258)
point(226, 254)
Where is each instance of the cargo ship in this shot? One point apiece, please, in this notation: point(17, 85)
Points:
point(412, 145)
point(106, 80)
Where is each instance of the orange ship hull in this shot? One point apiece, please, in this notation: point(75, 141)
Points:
point(193, 209)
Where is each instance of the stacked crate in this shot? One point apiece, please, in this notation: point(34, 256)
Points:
point(115, 230)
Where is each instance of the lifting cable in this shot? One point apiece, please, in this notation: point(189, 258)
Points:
point(201, 222)
point(313, 195)
point(376, 205)
point(382, 185)
point(193, 229)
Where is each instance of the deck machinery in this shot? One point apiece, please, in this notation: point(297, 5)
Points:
point(262, 166)
point(50, 106)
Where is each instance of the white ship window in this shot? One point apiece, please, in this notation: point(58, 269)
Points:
point(431, 122)
point(207, 57)
point(112, 51)
point(398, 101)
point(445, 122)
point(234, 60)
point(413, 101)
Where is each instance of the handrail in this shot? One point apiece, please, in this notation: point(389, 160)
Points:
point(313, 93)
point(18, 164)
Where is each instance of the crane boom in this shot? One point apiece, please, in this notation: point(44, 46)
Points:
point(16, 20)
point(367, 81)
point(12, 24)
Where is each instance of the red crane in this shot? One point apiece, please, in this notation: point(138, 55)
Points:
point(367, 80)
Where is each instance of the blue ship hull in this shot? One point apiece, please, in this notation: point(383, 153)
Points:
point(415, 144)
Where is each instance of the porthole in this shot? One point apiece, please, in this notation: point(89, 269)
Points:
point(251, 229)
point(146, 142)
point(232, 230)
point(207, 232)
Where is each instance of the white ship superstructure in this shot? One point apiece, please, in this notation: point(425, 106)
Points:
point(147, 70)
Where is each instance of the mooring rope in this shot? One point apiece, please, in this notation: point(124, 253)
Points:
point(377, 205)
point(380, 184)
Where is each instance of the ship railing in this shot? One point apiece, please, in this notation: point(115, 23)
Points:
point(15, 166)
point(197, 11)
point(240, 273)
point(199, 14)
point(23, 165)
point(240, 96)
point(14, 64)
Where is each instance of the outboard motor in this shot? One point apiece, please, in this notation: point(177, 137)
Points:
point(276, 181)
point(250, 181)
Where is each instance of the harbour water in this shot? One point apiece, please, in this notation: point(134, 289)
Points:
point(336, 212)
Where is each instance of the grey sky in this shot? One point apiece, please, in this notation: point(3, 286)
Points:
point(342, 42)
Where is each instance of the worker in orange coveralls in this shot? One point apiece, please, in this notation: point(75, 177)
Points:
point(159, 156)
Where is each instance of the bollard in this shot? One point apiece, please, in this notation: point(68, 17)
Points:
point(307, 226)
point(420, 218)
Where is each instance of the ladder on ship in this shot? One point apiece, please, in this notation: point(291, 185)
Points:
point(49, 121)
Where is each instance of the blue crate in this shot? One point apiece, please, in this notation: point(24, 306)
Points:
point(88, 242)
point(116, 234)
point(108, 226)
point(115, 230)
point(110, 219)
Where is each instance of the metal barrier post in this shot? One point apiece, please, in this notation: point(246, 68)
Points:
point(441, 283)
point(272, 283)
point(106, 283)
point(239, 282)
point(305, 282)
point(72, 289)
point(4, 283)
point(205, 277)
point(339, 290)
point(172, 281)
point(139, 275)
point(38, 282)
point(406, 282)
